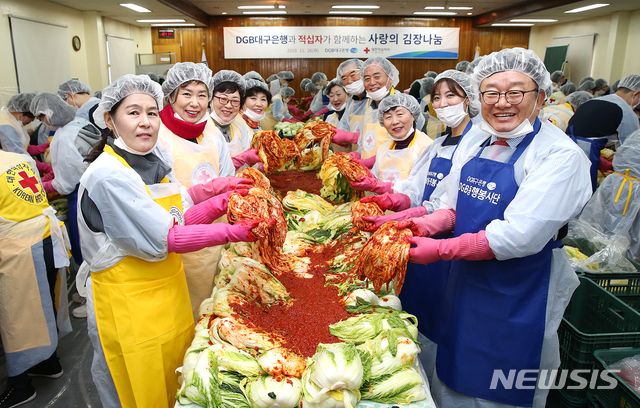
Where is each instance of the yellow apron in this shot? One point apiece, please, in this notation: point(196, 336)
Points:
point(6, 118)
point(395, 165)
point(373, 134)
point(144, 321)
point(269, 121)
point(435, 128)
point(197, 163)
point(559, 115)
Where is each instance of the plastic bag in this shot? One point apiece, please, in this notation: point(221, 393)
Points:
point(629, 371)
point(609, 252)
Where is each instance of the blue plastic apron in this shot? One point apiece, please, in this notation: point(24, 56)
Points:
point(592, 147)
point(494, 310)
point(423, 291)
point(72, 222)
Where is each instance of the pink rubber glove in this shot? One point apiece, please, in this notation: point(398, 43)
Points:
point(250, 157)
point(398, 216)
point(48, 187)
point(372, 184)
point(210, 210)
point(342, 137)
point(393, 202)
point(261, 167)
point(307, 115)
point(290, 120)
point(368, 163)
point(35, 150)
point(436, 223)
point(321, 112)
point(472, 247)
point(217, 186)
point(355, 155)
point(49, 176)
point(294, 110)
point(191, 238)
point(44, 168)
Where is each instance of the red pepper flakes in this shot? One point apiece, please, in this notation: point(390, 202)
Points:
point(292, 180)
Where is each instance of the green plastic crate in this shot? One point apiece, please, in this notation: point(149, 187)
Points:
point(594, 319)
point(559, 399)
point(622, 395)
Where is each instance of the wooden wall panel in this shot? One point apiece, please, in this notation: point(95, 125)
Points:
point(489, 40)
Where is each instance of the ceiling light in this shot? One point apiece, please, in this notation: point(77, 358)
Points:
point(585, 8)
point(351, 12)
point(135, 7)
point(460, 8)
point(259, 7)
point(511, 25)
point(355, 7)
point(179, 20)
point(264, 12)
point(173, 25)
point(435, 13)
point(224, 12)
point(434, 8)
point(533, 20)
point(469, 14)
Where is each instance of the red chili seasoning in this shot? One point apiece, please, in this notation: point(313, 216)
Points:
point(292, 180)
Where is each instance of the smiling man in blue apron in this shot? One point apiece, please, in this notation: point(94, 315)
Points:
point(511, 190)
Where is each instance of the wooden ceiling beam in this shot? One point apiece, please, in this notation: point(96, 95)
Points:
point(517, 10)
point(187, 9)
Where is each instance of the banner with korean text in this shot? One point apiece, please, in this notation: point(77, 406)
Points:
point(341, 42)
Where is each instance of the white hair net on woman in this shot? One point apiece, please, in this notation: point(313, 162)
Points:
point(354, 61)
point(556, 75)
point(272, 78)
point(386, 65)
point(431, 74)
point(287, 92)
point(318, 78)
point(184, 72)
point(253, 75)
point(331, 84)
point(20, 102)
point(513, 59)
point(254, 83)
point(568, 88)
point(631, 82)
point(462, 66)
point(303, 83)
point(121, 88)
point(227, 75)
point(74, 87)
point(309, 86)
point(578, 98)
point(587, 78)
point(461, 79)
point(398, 99)
point(587, 85)
point(288, 75)
point(472, 65)
point(427, 84)
point(57, 111)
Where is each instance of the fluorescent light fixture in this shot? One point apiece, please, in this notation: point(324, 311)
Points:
point(460, 8)
point(469, 14)
point(259, 7)
point(512, 25)
point(135, 7)
point(173, 25)
point(533, 20)
point(224, 12)
point(264, 12)
point(356, 7)
point(435, 13)
point(351, 12)
point(585, 8)
point(434, 8)
point(177, 20)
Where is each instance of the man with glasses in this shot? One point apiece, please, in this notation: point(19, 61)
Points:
point(513, 186)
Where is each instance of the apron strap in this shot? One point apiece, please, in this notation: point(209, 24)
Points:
point(526, 142)
point(628, 178)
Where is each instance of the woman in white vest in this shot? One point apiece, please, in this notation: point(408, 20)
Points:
point(278, 111)
point(256, 101)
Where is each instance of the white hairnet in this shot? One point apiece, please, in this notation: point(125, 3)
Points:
point(121, 88)
point(57, 111)
point(227, 75)
point(431, 74)
point(287, 91)
point(254, 83)
point(600, 83)
point(631, 82)
point(513, 59)
point(331, 84)
point(354, 61)
point(556, 75)
point(427, 84)
point(184, 72)
point(304, 83)
point(272, 78)
point(587, 78)
point(253, 75)
point(20, 102)
point(578, 98)
point(614, 86)
point(587, 85)
point(461, 79)
point(398, 99)
point(472, 65)
point(628, 156)
point(309, 87)
point(462, 66)
point(98, 94)
point(288, 75)
point(74, 87)
point(318, 77)
point(386, 65)
point(568, 88)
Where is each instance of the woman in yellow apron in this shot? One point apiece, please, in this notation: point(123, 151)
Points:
point(133, 230)
point(278, 110)
point(198, 154)
point(32, 248)
point(257, 99)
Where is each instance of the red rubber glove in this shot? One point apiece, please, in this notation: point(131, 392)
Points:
point(472, 247)
point(48, 177)
point(321, 112)
point(355, 155)
point(393, 202)
point(250, 157)
point(368, 163)
point(307, 115)
point(48, 187)
point(191, 238)
point(605, 165)
point(290, 120)
point(294, 110)
point(342, 137)
point(35, 150)
point(210, 210)
point(436, 223)
point(398, 216)
point(217, 186)
point(44, 168)
point(372, 184)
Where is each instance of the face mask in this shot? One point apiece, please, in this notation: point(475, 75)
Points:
point(355, 88)
point(122, 145)
point(633, 107)
point(452, 115)
point(379, 94)
point(217, 119)
point(337, 110)
point(400, 139)
point(522, 129)
point(253, 116)
point(599, 93)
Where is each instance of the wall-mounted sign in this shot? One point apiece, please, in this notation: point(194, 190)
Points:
point(170, 33)
point(341, 42)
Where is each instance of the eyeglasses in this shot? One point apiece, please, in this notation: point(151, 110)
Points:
point(512, 97)
point(224, 100)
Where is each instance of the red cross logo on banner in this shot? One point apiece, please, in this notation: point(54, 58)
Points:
point(29, 182)
point(370, 139)
point(367, 50)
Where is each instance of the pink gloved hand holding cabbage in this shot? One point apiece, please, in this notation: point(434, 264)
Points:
point(217, 186)
point(190, 238)
point(250, 157)
point(472, 247)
